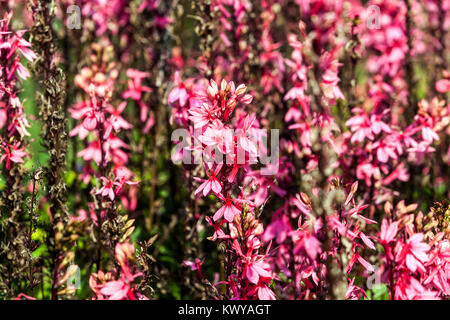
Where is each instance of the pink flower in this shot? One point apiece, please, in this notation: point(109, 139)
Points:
point(228, 210)
point(297, 92)
point(246, 141)
point(384, 151)
point(361, 126)
point(414, 253)
point(179, 93)
point(217, 136)
point(429, 134)
point(92, 152)
point(312, 246)
point(367, 241)
point(409, 288)
point(212, 183)
point(218, 231)
point(107, 189)
point(264, 293)
point(443, 85)
point(356, 257)
point(13, 153)
point(354, 292)
point(135, 87)
point(213, 89)
point(377, 125)
point(116, 121)
point(354, 212)
point(388, 231)
point(195, 266)
point(257, 270)
point(330, 79)
point(117, 290)
point(80, 131)
point(279, 228)
point(3, 117)
point(90, 120)
point(201, 116)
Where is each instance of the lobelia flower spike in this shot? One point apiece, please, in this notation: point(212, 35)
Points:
point(218, 131)
point(106, 286)
point(100, 124)
point(13, 153)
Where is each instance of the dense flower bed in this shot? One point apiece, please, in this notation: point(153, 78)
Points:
point(224, 149)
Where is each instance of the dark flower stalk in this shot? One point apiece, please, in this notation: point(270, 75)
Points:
point(54, 125)
point(409, 70)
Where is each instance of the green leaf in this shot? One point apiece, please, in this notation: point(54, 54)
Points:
point(39, 251)
point(380, 292)
point(38, 235)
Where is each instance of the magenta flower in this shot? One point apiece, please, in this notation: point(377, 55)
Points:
point(212, 183)
point(356, 257)
point(443, 85)
point(203, 115)
point(135, 87)
point(12, 153)
point(414, 253)
point(361, 127)
point(388, 231)
point(218, 231)
point(257, 270)
point(92, 152)
point(117, 290)
point(107, 189)
point(228, 211)
point(116, 121)
point(263, 292)
point(384, 150)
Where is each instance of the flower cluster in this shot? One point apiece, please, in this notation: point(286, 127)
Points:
point(104, 285)
point(100, 123)
point(223, 130)
point(13, 120)
point(414, 264)
point(350, 98)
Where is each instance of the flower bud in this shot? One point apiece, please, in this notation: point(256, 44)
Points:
point(212, 89)
point(240, 90)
